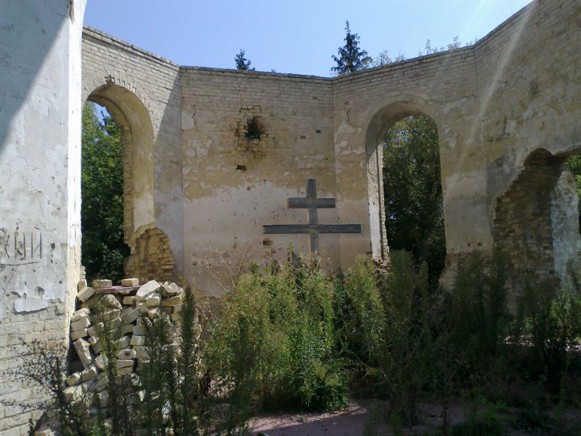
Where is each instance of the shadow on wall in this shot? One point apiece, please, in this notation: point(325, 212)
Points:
point(30, 28)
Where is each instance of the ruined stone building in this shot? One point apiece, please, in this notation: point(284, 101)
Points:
point(213, 156)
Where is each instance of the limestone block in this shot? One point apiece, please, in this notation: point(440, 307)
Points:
point(127, 329)
point(81, 324)
point(126, 354)
point(176, 317)
point(73, 393)
point(77, 334)
point(100, 284)
point(137, 340)
point(139, 330)
point(140, 352)
point(128, 370)
point(101, 362)
point(110, 301)
point(170, 289)
point(80, 314)
point(131, 316)
point(89, 373)
point(133, 282)
point(83, 351)
point(123, 342)
point(124, 363)
point(82, 284)
point(96, 329)
point(153, 300)
point(128, 300)
point(173, 301)
point(85, 293)
point(146, 290)
point(101, 382)
point(153, 313)
point(74, 379)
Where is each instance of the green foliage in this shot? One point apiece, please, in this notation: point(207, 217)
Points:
point(241, 62)
point(573, 164)
point(386, 328)
point(276, 339)
point(351, 57)
point(103, 249)
point(413, 192)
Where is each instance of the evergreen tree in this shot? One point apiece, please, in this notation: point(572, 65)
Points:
point(241, 62)
point(351, 57)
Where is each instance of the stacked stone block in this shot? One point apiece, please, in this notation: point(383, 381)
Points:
point(120, 309)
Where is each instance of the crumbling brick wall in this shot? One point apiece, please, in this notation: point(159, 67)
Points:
point(151, 257)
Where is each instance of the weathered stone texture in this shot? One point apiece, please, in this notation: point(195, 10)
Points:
point(247, 141)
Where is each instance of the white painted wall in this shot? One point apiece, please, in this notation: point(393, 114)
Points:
point(40, 143)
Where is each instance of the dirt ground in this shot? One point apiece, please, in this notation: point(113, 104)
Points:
point(351, 422)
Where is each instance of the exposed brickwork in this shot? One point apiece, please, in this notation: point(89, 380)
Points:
point(151, 259)
point(522, 225)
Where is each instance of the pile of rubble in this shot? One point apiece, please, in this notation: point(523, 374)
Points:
point(122, 309)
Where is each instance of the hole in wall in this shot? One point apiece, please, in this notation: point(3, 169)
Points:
point(255, 128)
point(267, 242)
point(240, 167)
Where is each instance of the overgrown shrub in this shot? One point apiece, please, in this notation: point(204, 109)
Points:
point(275, 337)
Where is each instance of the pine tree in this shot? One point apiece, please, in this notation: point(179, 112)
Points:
point(351, 57)
point(241, 62)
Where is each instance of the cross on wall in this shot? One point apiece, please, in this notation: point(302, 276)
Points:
point(313, 228)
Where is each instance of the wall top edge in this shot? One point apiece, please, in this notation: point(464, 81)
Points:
point(468, 50)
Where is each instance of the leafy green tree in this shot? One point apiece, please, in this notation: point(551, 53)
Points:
point(103, 250)
point(351, 57)
point(241, 62)
point(413, 192)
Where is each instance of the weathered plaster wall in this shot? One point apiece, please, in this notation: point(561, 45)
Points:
point(234, 185)
point(40, 64)
point(529, 74)
point(142, 93)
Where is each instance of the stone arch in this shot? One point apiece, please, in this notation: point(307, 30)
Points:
point(381, 120)
point(535, 222)
point(134, 122)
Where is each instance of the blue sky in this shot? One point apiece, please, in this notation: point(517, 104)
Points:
point(292, 36)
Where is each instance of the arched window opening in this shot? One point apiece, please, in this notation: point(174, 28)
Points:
point(102, 184)
point(536, 221)
point(414, 216)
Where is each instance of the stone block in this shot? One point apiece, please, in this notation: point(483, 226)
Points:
point(85, 293)
point(131, 316)
point(81, 285)
point(124, 342)
point(124, 363)
point(173, 301)
point(74, 379)
point(153, 300)
point(83, 351)
point(99, 284)
point(126, 354)
point(170, 289)
point(89, 373)
point(77, 334)
point(110, 301)
point(129, 300)
point(146, 290)
point(101, 362)
point(137, 340)
point(82, 323)
point(80, 314)
point(133, 282)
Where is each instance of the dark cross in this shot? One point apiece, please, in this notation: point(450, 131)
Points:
point(313, 228)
